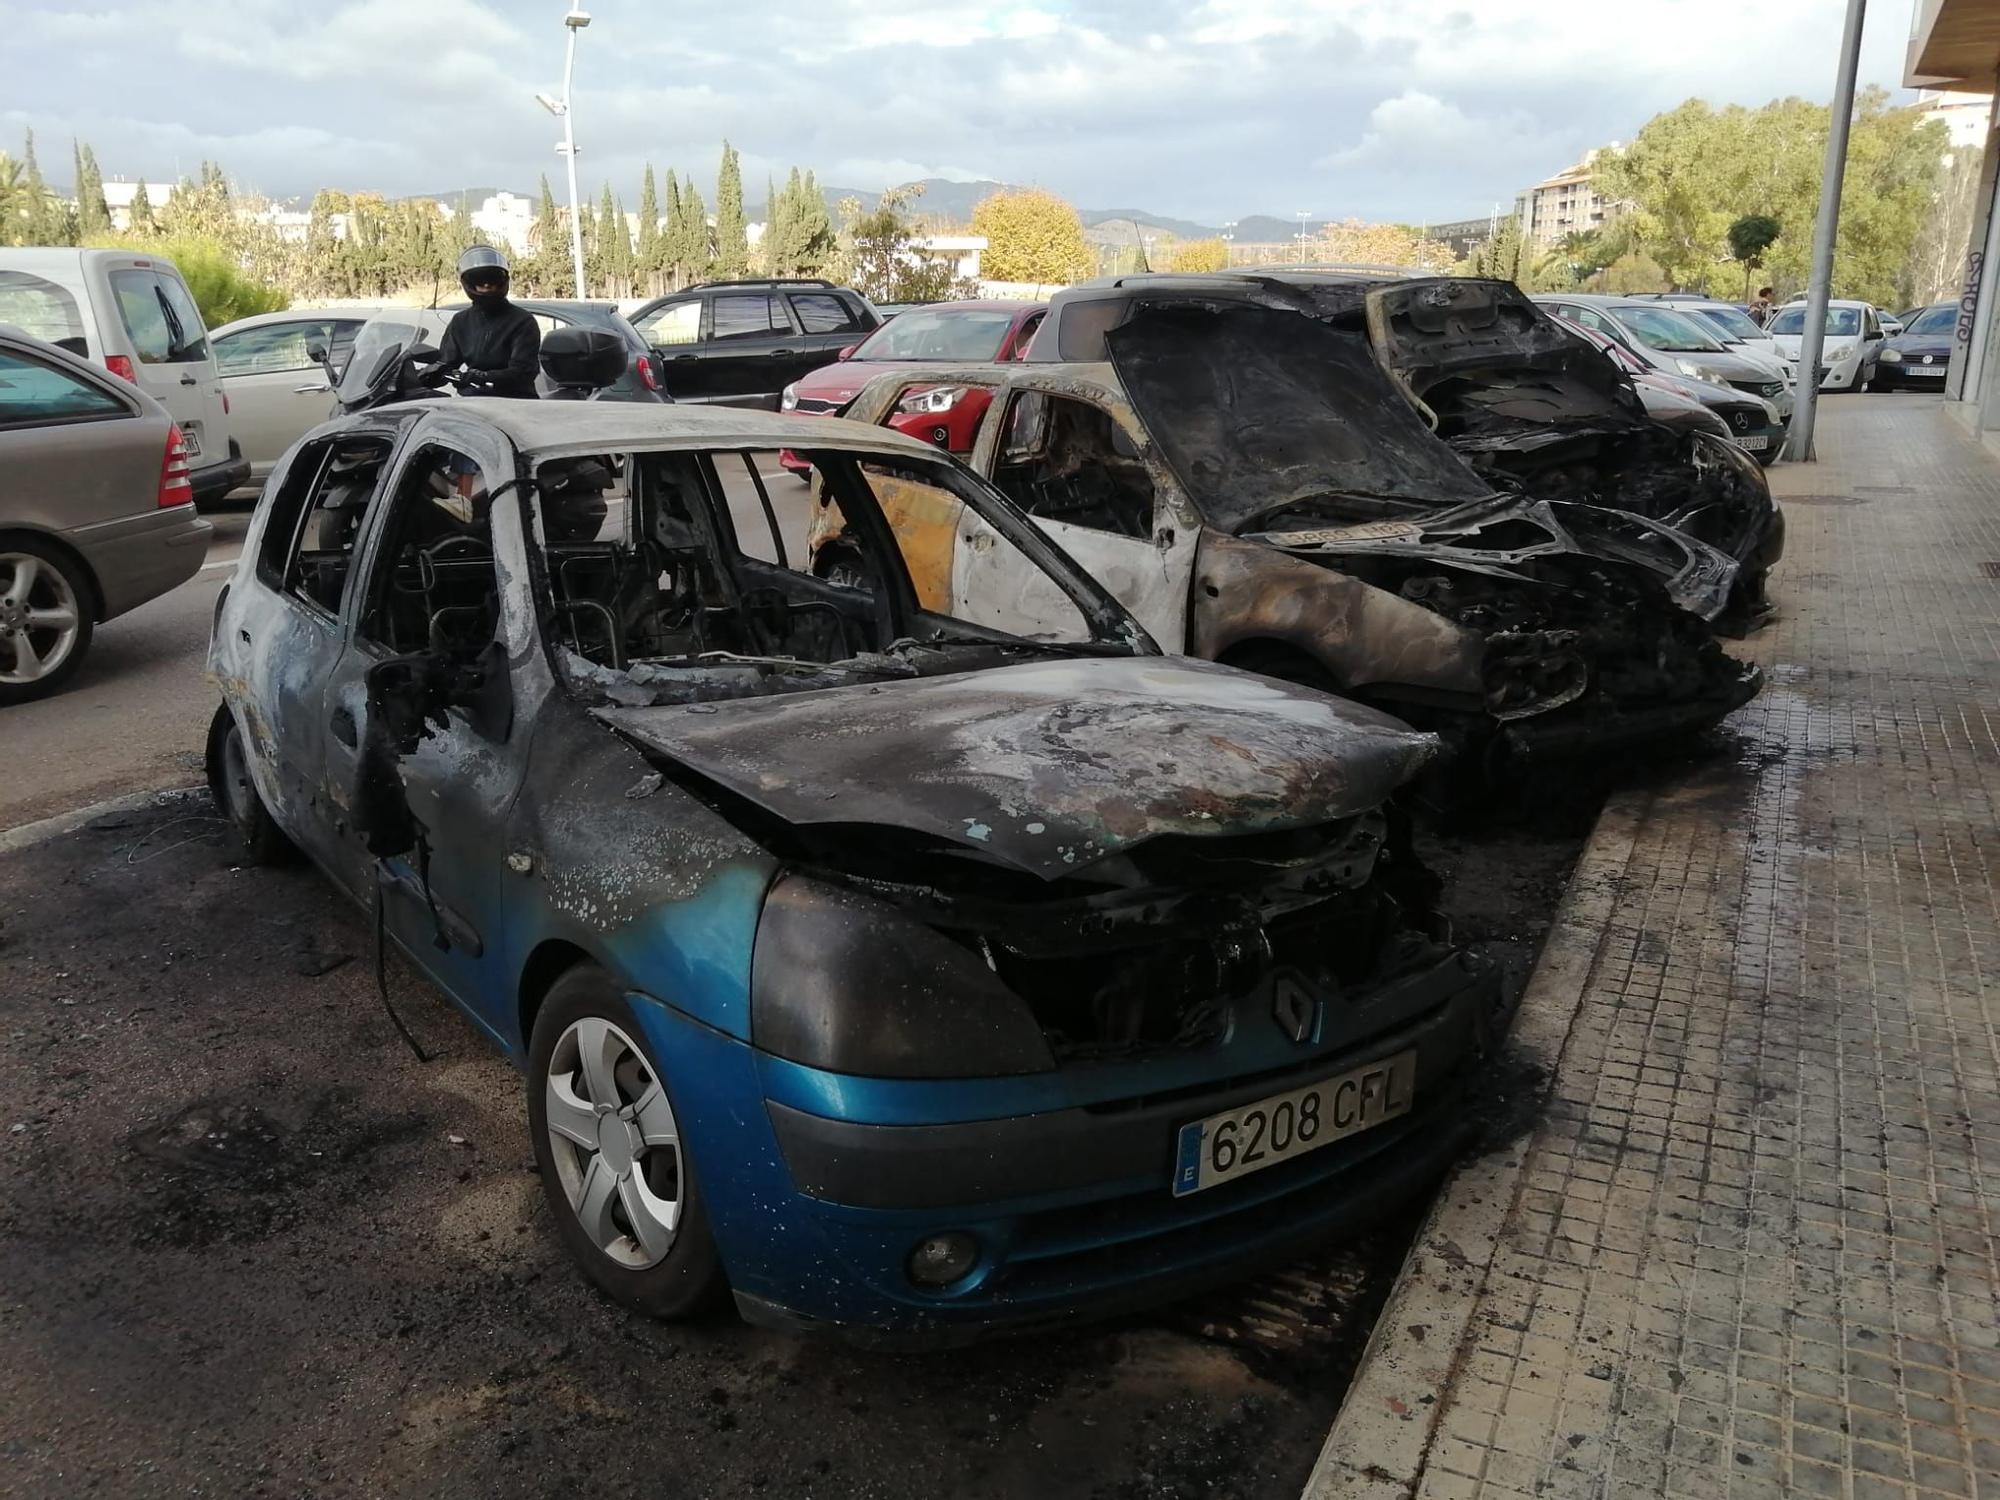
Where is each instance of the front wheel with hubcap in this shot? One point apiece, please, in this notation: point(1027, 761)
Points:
point(608, 1145)
point(45, 620)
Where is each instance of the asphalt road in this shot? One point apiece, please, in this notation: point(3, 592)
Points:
point(134, 715)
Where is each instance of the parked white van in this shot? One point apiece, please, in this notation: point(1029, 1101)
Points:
point(133, 314)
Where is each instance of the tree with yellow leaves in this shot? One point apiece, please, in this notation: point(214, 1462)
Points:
point(1032, 236)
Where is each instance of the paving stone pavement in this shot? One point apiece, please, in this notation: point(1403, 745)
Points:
point(1749, 1247)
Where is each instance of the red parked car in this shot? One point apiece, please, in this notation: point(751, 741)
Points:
point(945, 333)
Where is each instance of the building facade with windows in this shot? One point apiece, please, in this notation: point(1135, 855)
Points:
point(1567, 203)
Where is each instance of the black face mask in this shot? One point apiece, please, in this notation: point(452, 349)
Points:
point(487, 296)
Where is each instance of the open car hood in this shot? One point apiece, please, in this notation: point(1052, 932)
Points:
point(1049, 766)
point(1498, 370)
point(1257, 408)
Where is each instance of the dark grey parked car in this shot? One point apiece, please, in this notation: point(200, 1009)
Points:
point(96, 511)
point(740, 343)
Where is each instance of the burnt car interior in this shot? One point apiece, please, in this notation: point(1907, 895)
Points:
point(1067, 460)
point(696, 570)
point(309, 540)
point(439, 591)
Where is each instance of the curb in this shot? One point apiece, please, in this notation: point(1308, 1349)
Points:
point(28, 835)
point(1382, 1435)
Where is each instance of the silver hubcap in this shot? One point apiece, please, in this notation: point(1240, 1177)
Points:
point(39, 619)
point(617, 1148)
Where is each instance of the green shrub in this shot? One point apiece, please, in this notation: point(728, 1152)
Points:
point(222, 289)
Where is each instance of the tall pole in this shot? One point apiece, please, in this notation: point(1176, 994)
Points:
point(569, 150)
point(1805, 379)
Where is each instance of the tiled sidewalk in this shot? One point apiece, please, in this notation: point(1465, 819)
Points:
point(1749, 1247)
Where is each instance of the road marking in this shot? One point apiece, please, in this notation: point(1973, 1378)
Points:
point(27, 835)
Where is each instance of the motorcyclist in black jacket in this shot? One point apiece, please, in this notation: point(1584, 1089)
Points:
point(493, 345)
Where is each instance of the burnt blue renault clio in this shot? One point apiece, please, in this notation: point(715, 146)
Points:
point(890, 972)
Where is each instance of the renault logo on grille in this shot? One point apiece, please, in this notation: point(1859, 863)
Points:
point(1292, 1008)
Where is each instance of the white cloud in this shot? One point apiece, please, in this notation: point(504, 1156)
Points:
point(1211, 110)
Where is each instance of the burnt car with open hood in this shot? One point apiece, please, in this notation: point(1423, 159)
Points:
point(1256, 490)
point(1500, 381)
point(894, 971)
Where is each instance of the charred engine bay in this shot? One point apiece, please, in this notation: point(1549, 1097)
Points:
point(252, 1247)
point(1157, 948)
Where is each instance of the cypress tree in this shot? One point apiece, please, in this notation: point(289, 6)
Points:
point(732, 243)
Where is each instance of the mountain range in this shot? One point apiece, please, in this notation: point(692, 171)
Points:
point(953, 202)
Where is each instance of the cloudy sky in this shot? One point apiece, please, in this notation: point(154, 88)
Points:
point(1212, 110)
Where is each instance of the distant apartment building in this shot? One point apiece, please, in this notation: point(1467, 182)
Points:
point(1566, 203)
point(1964, 115)
point(118, 198)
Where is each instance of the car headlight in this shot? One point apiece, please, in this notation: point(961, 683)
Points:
point(1892, 356)
point(1694, 371)
point(1843, 354)
point(926, 403)
point(844, 982)
point(788, 400)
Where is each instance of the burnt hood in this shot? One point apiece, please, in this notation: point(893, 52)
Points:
point(1258, 408)
point(1496, 368)
point(1049, 766)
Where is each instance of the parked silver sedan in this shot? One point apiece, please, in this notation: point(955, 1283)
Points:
point(96, 511)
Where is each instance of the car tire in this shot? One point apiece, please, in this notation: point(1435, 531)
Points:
point(1880, 383)
point(53, 615)
point(609, 1197)
point(258, 838)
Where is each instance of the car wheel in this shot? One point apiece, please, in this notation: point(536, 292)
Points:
point(260, 840)
point(1878, 383)
point(45, 619)
point(608, 1146)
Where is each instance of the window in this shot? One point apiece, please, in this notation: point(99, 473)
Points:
point(1934, 320)
point(728, 565)
point(316, 518)
point(435, 586)
point(43, 310)
point(822, 312)
point(676, 323)
point(741, 316)
point(34, 394)
point(1066, 460)
point(953, 336)
point(1841, 322)
point(275, 346)
point(162, 323)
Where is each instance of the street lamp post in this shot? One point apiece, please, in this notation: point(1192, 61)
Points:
point(574, 21)
point(1229, 244)
point(1805, 377)
point(1303, 216)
